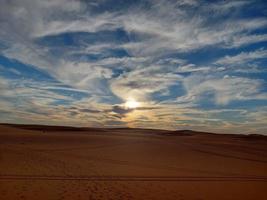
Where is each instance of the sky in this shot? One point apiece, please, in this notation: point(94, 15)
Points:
point(179, 64)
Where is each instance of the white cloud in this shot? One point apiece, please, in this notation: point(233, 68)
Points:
point(243, 57)
point(83, 76)
point(225, 89)
point(224, 6)
point(241, 40)
point(142, 82)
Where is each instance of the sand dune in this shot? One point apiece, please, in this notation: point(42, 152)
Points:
point(47, 162)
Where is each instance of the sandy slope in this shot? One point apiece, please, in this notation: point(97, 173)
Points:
point(129, 164)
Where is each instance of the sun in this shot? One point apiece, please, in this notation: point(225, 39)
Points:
point(131, 104)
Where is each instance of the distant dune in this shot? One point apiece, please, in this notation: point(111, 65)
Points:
point(59, 162)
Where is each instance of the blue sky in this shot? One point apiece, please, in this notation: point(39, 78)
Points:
point(189, 64)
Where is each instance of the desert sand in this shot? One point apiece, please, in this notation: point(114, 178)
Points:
point(46, 162)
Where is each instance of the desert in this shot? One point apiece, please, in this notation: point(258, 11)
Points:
point(50, 162)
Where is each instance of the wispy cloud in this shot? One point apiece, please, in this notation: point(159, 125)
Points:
point(223, 90)
point(243, 57)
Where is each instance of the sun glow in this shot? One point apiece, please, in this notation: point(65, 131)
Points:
point(131, 104)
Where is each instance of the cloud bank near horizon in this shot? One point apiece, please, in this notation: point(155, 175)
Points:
point(192, 64)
